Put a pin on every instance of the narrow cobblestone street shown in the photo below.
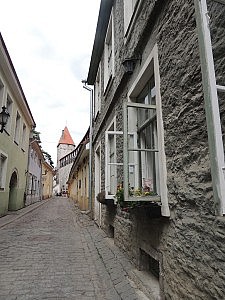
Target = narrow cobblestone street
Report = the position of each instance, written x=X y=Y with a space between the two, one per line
x=56 y=252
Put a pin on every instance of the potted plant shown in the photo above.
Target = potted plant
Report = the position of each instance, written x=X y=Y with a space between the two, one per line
x=101 y=197
x=129 y=206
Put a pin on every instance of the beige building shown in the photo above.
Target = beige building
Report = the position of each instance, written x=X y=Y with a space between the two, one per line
x=14 y=140
x=78 y=177
x=47 y=180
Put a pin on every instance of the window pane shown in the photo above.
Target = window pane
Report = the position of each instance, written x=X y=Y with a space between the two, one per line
x=114 y=160
x=143 y=158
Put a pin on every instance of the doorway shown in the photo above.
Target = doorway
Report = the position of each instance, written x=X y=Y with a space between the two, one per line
x=97 y=212
x=13 y=191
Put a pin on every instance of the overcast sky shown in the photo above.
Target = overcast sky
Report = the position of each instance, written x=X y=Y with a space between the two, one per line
x=50 y=44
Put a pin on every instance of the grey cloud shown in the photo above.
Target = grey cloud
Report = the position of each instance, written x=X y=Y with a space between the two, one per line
x=45 y=50
x=79 y=67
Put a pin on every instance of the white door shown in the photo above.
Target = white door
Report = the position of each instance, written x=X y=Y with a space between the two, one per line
x=97 y=209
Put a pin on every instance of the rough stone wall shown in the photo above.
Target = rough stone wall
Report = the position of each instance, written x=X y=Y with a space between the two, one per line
x=191 y=242
x=63 y=150
x=125 y=234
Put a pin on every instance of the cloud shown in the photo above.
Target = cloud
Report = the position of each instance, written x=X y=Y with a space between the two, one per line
x=50 y=44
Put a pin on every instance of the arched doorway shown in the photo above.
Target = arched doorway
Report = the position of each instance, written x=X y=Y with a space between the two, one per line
x=13 y=191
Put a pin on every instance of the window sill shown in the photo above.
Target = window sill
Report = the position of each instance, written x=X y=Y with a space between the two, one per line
x=109 y=202
x=150 y=210
x=144 y=198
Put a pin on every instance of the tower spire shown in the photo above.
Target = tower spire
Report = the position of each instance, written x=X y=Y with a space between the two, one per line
x=66 y=138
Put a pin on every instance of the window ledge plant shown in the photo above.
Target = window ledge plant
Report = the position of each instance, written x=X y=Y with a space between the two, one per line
x=129 y=205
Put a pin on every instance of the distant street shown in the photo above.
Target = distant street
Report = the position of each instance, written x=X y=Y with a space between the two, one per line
x=55 y=252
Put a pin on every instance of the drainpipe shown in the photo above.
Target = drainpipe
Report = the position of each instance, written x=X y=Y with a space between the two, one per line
x=90 y=143
x=40 y=182
x=27 y=174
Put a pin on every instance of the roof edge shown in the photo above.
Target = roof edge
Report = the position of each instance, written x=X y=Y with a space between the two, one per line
x=98 y=46
x=16 y=77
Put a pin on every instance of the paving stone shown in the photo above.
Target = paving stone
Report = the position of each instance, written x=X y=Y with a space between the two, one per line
x=56 y=252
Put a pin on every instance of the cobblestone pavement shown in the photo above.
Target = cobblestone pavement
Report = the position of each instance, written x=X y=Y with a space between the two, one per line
x=56 y=252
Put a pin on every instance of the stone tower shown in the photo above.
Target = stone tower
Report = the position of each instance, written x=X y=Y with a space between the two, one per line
x=65 y=146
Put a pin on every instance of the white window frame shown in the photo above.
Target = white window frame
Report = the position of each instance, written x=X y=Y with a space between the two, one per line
x=133 y=164
x=210 y=89
x=24 y=131
x=3 y=169
x=129 y=6
x=97 y=93
x=108 y=163
x=109 y=53
x=17 y=128
x=131 y=10
x=98 y=180
x=110 y=128
x=29 y=187
x=150 y=67
x=98 y=169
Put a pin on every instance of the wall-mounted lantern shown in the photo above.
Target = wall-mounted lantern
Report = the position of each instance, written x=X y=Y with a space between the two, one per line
x=4 y=115
x=129 y=64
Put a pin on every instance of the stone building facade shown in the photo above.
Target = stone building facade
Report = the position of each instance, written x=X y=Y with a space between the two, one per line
x=34 y=173
x=64 y=161
x=152 y=137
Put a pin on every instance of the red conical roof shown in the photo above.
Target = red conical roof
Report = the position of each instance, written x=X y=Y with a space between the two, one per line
x=66 y=138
